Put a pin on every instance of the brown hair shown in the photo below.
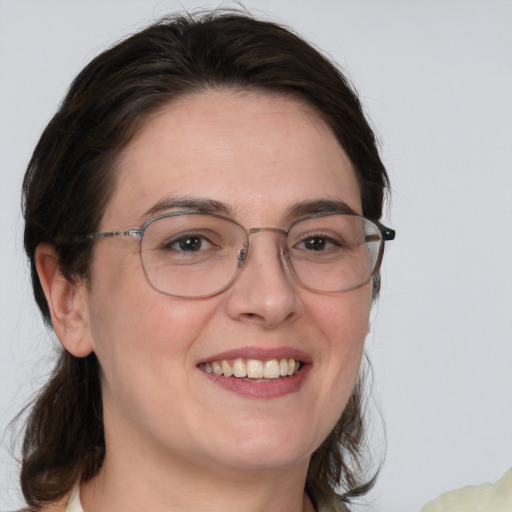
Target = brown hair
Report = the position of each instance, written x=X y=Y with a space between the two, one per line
x=71 y=176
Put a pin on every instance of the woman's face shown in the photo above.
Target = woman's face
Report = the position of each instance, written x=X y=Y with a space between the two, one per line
x=258 y=156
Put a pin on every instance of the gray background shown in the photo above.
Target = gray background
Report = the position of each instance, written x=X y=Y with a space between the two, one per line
x=436 y=78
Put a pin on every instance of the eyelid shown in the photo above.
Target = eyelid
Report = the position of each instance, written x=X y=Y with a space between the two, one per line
x=332 y=239
x=197 y=233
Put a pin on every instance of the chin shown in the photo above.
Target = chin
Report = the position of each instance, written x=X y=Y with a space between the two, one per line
x=273 y=450
x=264 y=462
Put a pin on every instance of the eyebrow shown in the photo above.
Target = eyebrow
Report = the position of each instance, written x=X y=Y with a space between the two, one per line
x=211 y=206
x=313 y=206
x=196 y=204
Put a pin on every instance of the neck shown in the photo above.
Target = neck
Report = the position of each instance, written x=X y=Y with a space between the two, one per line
x=142 y=473
x=184 y=486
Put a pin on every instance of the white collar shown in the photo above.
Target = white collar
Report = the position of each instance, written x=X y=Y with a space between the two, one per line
x=73 y=504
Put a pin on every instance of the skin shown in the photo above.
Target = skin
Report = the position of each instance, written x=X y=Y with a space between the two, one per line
x=168 y=425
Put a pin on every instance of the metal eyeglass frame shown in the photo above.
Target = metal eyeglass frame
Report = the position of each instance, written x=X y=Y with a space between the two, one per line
x=387 y=234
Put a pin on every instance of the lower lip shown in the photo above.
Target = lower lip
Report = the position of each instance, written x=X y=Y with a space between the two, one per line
x=262 y=390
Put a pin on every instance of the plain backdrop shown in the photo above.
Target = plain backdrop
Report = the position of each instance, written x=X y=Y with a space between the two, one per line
x=436 y=79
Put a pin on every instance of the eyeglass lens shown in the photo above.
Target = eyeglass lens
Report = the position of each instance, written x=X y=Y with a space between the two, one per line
x=195 y=255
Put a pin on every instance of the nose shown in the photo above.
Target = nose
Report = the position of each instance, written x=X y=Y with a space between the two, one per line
x=264 y=292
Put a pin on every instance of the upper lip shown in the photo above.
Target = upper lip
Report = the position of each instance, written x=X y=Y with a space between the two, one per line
x=260 y=353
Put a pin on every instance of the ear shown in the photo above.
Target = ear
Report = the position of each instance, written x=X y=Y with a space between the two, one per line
x=67 y=302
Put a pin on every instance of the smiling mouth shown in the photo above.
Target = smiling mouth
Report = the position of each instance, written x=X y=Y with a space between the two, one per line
x=253 y=369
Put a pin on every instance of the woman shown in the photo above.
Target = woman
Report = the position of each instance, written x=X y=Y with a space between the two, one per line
x=202 y=222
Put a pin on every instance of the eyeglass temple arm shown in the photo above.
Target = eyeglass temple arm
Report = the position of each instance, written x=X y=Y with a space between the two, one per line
x=110 y=234
x=387 y=233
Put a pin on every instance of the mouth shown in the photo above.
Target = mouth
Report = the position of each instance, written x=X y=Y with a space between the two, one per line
x=253 y=370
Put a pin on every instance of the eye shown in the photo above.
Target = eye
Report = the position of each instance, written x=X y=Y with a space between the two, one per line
x=188 y=243
x=317 y=243
x=319 y=247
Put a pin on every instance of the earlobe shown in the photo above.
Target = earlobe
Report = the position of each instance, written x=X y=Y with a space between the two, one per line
x=66 y=301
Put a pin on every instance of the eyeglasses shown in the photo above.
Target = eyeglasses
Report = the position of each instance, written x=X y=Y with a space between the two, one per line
x=196 y=255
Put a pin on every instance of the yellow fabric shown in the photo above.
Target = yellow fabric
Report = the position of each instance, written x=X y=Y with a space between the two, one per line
x=482 y=498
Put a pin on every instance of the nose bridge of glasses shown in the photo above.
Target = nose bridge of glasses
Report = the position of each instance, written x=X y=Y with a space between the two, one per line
x=271 y=229
x=279 y=231
x=243 y=253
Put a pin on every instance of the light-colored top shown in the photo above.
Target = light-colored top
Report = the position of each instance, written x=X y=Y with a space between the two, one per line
x=73 y=504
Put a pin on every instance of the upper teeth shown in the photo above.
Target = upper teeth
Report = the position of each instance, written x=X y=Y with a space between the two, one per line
x=253 y=368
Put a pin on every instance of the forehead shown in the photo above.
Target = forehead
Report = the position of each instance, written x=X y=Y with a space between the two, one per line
x=258 y=154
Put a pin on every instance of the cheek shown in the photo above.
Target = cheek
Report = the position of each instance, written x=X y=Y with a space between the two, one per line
x=344 y=319
x=143 y=332
x=135 y=329
x=144 y=345
x=344 y=325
